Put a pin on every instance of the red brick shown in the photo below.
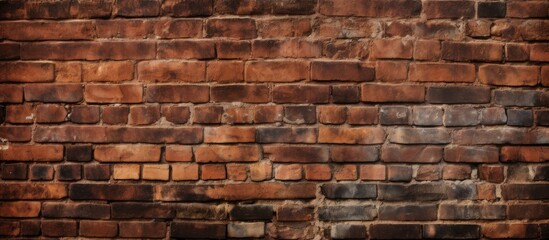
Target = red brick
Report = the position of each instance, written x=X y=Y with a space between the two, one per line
x=442 y=72
x=127 y=153
x=391 y=71
x=137 y=8
x=225 y=71
x=317 y=172
x=238 y=115
x=53 y=92
x=14 y=171
x=545 y=76
x=171 y=71
x=20 y=113
x=411 y=154
x=241 y=153
x=345 y=49
x=341 y=71
x=456 y=172
x=390 y=49
x=24 y=191
x=179 y=28
x=524 y=154
x=9 y=51
x=177 y=93
x=233 y=49
x=176 y=114
x=186 y=49
x=363 y=115
x=373 y=172
x=11 y=93
x=33 y=31
x=276 y=71
x=111 y=192
x=477 y=29
x=509 y=75
x=370 y=8
x=50 y=113
x=464 y=52
x=16 y=133
x=156 y=172
x=527 y=9
x=348 y=28
x=462 y=154
x=10 y=228
x=229 y=134
x=357 y=135
x=207 y=114
x=493 y=174
x=60 y=228
x=517 y=52
x=332 y=114
x=539 y=52
x=354 y=153
x=458 y=94
x=237 y=172
x=98 y=228
x=295 y=154
x=301 y=94
x=115 y=115
x=45 y=153
x=142 y=229
x=428 y=173
x=97 y=172
x=144 y=115
x=26 y=72
x=268 y=113
x=261 y=171
x=185 y=172
x=89 y=50
x=449 y=9
x=213 y=172
x=292 y=48
x=125 y=28
x=177 y=153
x=87 y=9
x=236 y=28
x=284 y=27
x=113 y=93
x=392 y=93
x=257 y=93
x=84 y=114
x=187 y=8
x=107 y=71
x=19 y=209
x=288 y=172
x=345 y=172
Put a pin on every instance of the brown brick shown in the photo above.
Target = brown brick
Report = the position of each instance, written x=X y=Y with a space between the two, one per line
x=229 y=134
x=399 y=173
x=406 y=135
x=428 y=173
x=261 y=171
x=524 y=154
x=41 y=173
x=76 y=210
x=449 y=9
x=236 y=28
x=72 y=172
x=126 y=171
x=276 y=71
x=510 y=230
x=364 y=8
x=156 y=172
x=427 y=50
x=341 y=71
x=207 y=114
x=19 y=209
x=241 y=153
x=391 y=49
x=257 y=93
x=144 y=115
x=142 y=229
x=237 y=172
x=395 y=115
x=283 y=27
x=176 y=114
x=84 y=114
x=187 y=8
x=517 y=52
x=46 y=153
x=109 y=93
x=125 y=28
x=113 y=192
x=357 y=135
x=507 y=75
x=345 y=94
x=127 y=153
x=374 y=172
x=137 y=8
x=411 y=154
x=528 y=211
x=317 y=172
x=53 y=92
x=465 y=52
x=238 y=115
x=107 y=71
x=456 y=172
x=539 y=52
x=493 y=174
x=14 y=171
x=286 y=135
x=288 y=172
x=171 y=71
x=332 y=114
x=185 y=172
x=299 y=114
x=99 y=172
x=268 y=113
x=50 y=113
x=296 y=213
x=461 y=116
x=9 y=51
x=185 y=49
x=11 y=93
x=464 y=154
x=391 y=71
x=442 y=72
x=213 y=172
x=301 y=94
x=392 y=93
x=198 y=230
x=16 y=133
x=177 y=93
x=295 y=154
x=179 y=29
x=453 y=95
x=354 y=153
x=98 y=228
x=233 y=49
x=475 y=29
x=225 y=71
x=177 y=153
x=292 y=48
x=20 y=113
x=348 y=28
x=115 y=115
x=363 y=115
x=60 y=228
x=26 y=72
x=345 y=172
x=92 y=50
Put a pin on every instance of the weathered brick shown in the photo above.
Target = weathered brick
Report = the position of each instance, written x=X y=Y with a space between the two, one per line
x=24 y=191
x=91 y=50
x=241 y=93
x=19 y=209
x=317 y=172
x=76 y=210
x=115 y=115
x=442 y=9
x=261 y=171
x=332 y=114
x=208 y=114
x=465 y=52
x=176 y=153
x=406 y=135
x=187 y=8
x=456 y=172
x=508 y=75
x=283 y=27
x=449 y=231
x=20 y=114
x=395 y=115
x=391 y=71
x=399 y=173
x=107 y=71
x=183 y=49
x=233 y=49
x=341 y=71
x=392 y=93
x=286 y=135
x=142 y=229
x=41 y=173
x=461 y=116
x=493 y=116
x=442 y=72
x=126 y=171
x=357 y=135
x=295 y=154
x=425 y=192
x=408 y=212
x=242 y=153
x=198 y=230
x=156 y=172
x=9 y=51
x=453 y=95
x=375 y=172
x=201 y=211
x=299 y=114
x=171 y=71
x=288 y=172
x=98 y=228
x=428 y=173
x=368 y=8
x=470 y=212
x=179 y=28
x=236 y=28
x=225 y=71
x=411 y=154
x=528 y=211
x=293 y=48
x=59 y=228
x=123 y=93
x=349 y=191
x=112 y=192
x=127 y=153
x=14 y=171
x=522 y=98
x=251 y=212
x=525 y=191
x=464 y=154
x=526 y=9
x=26 y=72
x=291 y=213
x=354 y=153
x=246 y=230
x=510 y=230
x=11 y=93
x=184 y=172
x=276 y=71
x=42 y=153
x=363 y=115
x=347 y=213
x=100 y=172
x=144 y=115
x=391 y=49
x=301 y=94
x=517 y=52
x=16 y=133
x=177 y=93
x=348 y=231
x=70 y=172
x=53 y=93
x=392 y=231
x=427 y=50
x=141 y=210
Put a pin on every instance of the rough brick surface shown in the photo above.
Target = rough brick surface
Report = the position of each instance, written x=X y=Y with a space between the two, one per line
x=274 y=119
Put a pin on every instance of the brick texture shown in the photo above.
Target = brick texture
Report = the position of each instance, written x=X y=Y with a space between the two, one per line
x=274 y=119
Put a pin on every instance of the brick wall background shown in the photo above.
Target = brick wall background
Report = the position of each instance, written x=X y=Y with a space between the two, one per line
x=276 y=119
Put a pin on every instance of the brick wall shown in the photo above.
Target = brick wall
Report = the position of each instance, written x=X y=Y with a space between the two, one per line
x=276 y=119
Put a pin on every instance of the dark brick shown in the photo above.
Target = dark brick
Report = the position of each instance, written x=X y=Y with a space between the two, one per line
x=15 y=171
x=84 y=114
x=101 y=172
x=78 y=153
x=176 y=114
x=71 y=210
x=41 y=172
x=112 y=192
x=519 y=98
x=451 y=231
x=399 y=173
x=286 y=135
x=354 y=153
x=472 y=212
x=347 y=213
x=395 y=115
x=300 y=114
x=349 y=191
x=198 y=230
x=49 y=10
x=348 y=231
x=541 y=173
x=408 y=212
x=528 y=211
x=345 y=94
x=201 y=211
x=461 y=116
x=452 y=95
x=188 y=8
x=207 y=114
x=542 y=118
x=295 y=213
x=69 y=172
x=525 y=191
x=59 y=228
x=115 y=115
x=137 y=8
x=30 y=228
x=491 y=9
x=142 y=229
x=251 y=212
x=425 y=192
x=141 y=210
x=519 y=117
x=395 y=231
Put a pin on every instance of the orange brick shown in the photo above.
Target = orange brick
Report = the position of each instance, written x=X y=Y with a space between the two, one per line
x=318 y=172
x=237 y=172
x=175 y=153
x=345 y=172
x=288 y=172
x=213 y=172
x=126 y=171
x=185 y=172
x=156 y=172
x=373 y=172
